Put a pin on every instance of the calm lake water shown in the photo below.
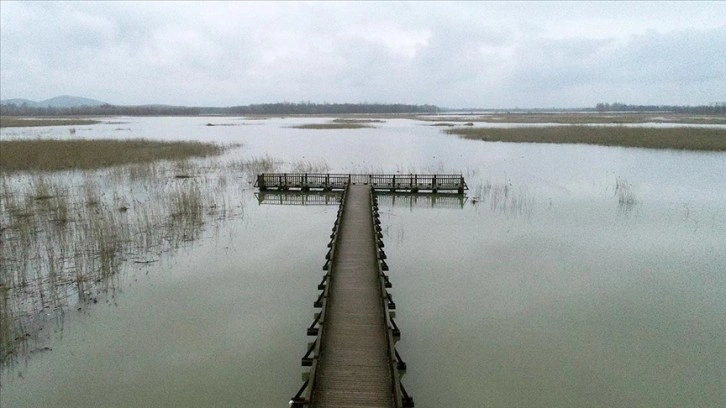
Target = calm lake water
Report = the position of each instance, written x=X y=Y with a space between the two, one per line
x=571 y=276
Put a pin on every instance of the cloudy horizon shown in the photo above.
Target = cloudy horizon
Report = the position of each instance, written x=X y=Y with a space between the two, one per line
x=449 y=54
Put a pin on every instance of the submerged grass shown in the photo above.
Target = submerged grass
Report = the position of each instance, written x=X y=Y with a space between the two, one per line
x=66 y=237
x=679 y=138
x=56 y=154
x=504 y=198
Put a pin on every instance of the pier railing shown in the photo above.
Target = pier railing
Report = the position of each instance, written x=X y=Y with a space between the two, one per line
x=397 y=365
x=434 y=183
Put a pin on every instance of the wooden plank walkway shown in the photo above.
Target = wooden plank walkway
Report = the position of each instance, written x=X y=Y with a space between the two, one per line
x=354 y=367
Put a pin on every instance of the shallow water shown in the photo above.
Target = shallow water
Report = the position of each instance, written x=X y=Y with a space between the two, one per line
x=572 y=276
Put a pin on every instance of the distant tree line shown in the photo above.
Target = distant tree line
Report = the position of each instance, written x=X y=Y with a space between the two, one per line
x=283 y=108
x=326 y=108
x=718 y=108
x=100 y=110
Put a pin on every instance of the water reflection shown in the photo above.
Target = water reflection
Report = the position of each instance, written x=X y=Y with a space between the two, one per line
x=297 y=198
x=411 y=201
x=408 y=200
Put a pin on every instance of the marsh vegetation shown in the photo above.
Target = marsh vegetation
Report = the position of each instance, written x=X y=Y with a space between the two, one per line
x=66 y=235
x=583 y=118
x=14 y=121
x=357 y=120
x=504 y=198
x=333 y=125
x=84 y=154
x=680 y=138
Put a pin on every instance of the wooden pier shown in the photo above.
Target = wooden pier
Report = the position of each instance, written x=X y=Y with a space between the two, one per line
x=414 y=183
x=353 y=361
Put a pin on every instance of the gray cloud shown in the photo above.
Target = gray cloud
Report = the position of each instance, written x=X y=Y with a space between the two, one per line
x=449 y=54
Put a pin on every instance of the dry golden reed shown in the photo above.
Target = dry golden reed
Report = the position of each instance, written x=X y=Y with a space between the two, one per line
x=56 y=154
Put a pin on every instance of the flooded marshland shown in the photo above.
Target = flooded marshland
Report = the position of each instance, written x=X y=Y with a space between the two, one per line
x=570 y=276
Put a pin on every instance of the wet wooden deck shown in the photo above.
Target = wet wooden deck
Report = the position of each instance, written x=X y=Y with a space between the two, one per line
x=354 y=367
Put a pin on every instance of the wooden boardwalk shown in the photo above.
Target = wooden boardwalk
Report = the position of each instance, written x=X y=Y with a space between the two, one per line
x=354 y=367
x=353 y=359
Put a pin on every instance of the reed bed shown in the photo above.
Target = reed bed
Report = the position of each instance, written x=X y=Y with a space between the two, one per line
x=679 y=138
x=333 y=125
x=357 y=120
x=56 y=154
x=13 y=121
x=572 y=118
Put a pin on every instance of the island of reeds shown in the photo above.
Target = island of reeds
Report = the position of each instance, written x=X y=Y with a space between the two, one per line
x=678 y=138
x=332 y=126
x=84 y=154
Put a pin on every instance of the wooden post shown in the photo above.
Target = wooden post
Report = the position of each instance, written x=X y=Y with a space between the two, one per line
x=261 y=182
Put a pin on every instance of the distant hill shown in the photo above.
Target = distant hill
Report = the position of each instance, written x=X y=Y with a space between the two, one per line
x=63 y=101
x=19 y=102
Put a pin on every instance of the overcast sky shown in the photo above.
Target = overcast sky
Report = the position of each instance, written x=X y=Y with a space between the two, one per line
x=468 y=54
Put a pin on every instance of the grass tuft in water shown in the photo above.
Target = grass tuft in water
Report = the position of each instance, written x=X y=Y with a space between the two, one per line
x=627 y=200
